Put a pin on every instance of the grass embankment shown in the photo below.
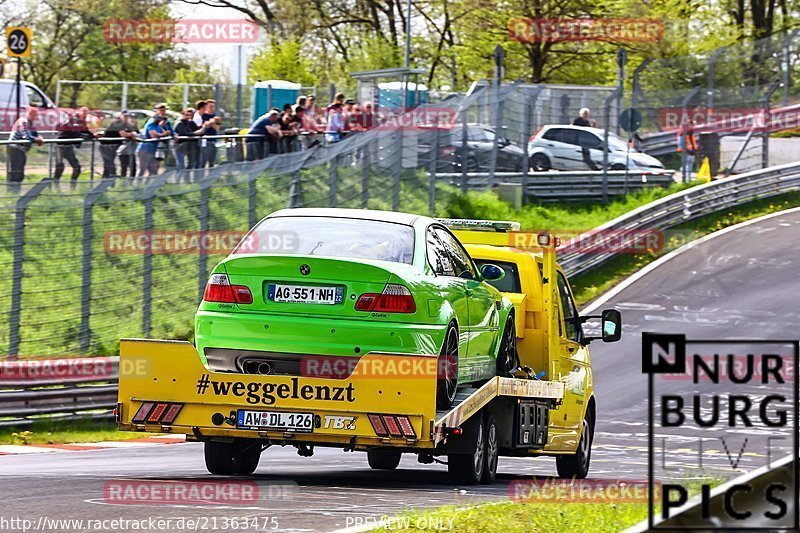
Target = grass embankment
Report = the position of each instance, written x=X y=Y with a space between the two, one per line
x=67 y=432
x=608 y=515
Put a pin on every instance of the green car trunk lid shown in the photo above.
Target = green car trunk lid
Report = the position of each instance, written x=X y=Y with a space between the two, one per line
x=351 y=278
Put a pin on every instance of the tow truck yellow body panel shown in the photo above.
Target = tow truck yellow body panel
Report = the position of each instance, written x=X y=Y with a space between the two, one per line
x=542 y=340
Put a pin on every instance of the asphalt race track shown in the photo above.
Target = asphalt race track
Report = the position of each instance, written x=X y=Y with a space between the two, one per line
x=742 y=284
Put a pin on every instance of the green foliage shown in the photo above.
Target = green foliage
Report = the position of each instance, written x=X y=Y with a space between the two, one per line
x=283 y=60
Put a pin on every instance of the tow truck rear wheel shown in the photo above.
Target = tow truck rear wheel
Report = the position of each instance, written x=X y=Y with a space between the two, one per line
x=576 y=466
x=383 y=459
x=230 y=458
x=491 y=451
x=468 y=468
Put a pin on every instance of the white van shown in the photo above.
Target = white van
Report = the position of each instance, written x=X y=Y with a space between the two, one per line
x=49 y=115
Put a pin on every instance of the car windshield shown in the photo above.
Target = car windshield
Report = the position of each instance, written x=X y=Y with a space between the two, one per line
x=331 y=237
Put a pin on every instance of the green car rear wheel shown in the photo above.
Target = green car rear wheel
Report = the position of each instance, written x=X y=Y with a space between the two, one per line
x=447 y=370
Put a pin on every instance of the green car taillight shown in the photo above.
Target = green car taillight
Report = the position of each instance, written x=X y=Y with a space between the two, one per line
x=219 y=289
x=394 y=299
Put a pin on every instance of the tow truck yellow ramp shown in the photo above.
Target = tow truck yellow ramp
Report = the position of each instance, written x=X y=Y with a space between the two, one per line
x=470 y=401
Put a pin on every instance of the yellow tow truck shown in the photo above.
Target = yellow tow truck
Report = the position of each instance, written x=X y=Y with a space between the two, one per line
x=545 y=406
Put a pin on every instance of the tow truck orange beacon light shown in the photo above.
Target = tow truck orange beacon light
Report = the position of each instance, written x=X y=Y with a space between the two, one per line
x=543 y=239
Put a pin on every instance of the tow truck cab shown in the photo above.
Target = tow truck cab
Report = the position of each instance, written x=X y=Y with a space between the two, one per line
x=551 y=346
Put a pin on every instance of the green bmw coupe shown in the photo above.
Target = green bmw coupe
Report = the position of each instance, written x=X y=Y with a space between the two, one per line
x=341 y=283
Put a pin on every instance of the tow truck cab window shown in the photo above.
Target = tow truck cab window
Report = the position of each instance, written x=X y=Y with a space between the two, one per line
x=568 y=310
x=510 y=282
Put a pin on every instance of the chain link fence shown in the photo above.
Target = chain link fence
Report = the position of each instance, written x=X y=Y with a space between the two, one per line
x=92 y=261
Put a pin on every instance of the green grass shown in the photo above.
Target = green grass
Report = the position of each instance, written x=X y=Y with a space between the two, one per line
x=554 y=217
x=535 y=516
x=597 y=281
x=514 y=517
x=67 y=432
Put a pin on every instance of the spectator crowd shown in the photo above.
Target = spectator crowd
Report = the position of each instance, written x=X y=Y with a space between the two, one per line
x=127 y=150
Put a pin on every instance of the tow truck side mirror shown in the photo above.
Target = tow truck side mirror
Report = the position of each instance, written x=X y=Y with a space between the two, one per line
x=611 y=326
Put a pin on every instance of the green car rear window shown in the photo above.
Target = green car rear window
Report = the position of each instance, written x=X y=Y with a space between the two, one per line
x=331 y=237
x=510 y=282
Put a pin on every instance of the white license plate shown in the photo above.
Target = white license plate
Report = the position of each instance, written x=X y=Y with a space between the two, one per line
x=304 y=294
x=299 y=422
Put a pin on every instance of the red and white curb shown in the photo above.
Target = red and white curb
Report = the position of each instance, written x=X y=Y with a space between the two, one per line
x=16 y=449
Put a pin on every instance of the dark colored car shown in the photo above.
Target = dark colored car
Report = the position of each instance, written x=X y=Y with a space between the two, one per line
x=479 y=146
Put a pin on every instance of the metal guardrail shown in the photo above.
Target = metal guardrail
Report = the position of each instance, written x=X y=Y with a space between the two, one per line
x=565 y=185
x=688 y=205
x=57 y=389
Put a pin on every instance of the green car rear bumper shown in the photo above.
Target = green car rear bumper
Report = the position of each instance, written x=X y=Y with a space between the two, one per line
x=313 y=335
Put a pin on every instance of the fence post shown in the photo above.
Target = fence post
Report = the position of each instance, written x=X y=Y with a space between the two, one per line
x=607 y=117
x=91 y=163
x=295 y=191
x=396 y=174
x=332 y=181
x=147 y=259
x=636 y=87
x=84 y=334
x=251 y=202
x=622 y=61
x=710 y=82
x=202 y=257
x=464 y=150
x=765 y=137
x=786 y=64
x=498 y=117
x=432 y=177
x=124 y=96
x=218 y=94
x=365 y=163
x=18 y=262
x=527 y=114
x=49 y=160
x=185 y=95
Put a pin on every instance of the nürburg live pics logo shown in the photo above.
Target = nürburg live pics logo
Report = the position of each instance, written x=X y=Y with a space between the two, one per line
x=722 y=410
